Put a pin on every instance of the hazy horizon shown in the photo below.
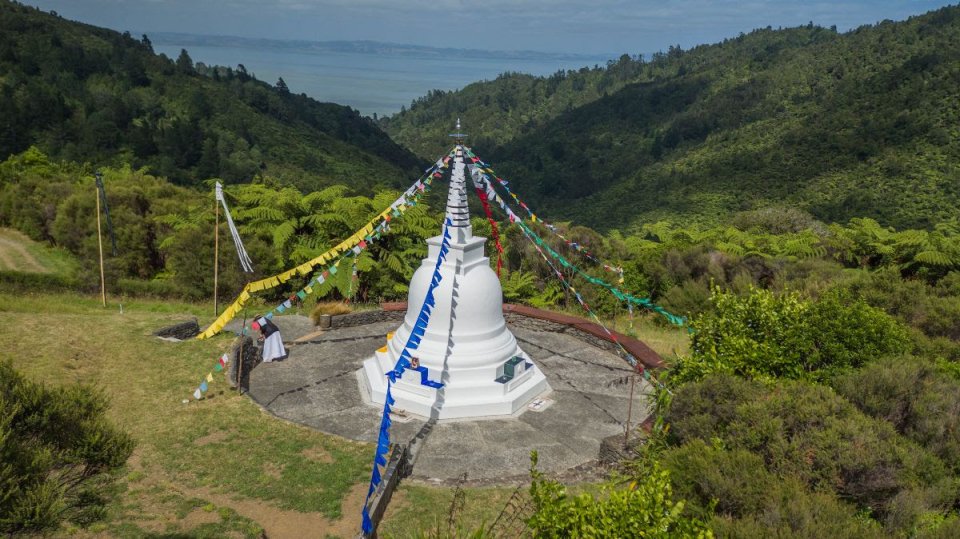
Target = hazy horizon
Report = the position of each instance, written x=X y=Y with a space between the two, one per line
x=597 y=27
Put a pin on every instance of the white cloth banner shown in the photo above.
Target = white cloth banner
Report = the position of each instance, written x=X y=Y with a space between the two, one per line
x=245 y=261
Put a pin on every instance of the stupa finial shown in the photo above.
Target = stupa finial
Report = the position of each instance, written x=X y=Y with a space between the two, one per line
x=458 y=136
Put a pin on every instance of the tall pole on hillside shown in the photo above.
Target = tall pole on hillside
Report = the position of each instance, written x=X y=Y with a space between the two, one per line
x=216 y=256
x=626 y=432
x=103 y=289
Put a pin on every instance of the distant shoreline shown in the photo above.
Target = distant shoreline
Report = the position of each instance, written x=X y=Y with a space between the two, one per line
x=366 y=47
x=371 y=77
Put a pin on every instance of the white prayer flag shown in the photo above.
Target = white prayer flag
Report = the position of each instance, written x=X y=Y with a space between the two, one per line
x=245 y=261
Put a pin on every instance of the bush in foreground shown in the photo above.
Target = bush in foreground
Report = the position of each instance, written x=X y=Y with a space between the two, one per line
x=645 y=508
x=57 y=453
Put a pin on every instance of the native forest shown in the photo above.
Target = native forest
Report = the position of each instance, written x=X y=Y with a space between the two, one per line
x=792 y=193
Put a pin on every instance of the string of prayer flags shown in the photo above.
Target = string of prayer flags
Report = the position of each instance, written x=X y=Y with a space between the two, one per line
x=485 y=169
x=482 y=195
x=222 y=361
x=102 y=193
x=539 y=243
x=403 y=362
x=613 y=338
x=646 y=303
x=376 y=225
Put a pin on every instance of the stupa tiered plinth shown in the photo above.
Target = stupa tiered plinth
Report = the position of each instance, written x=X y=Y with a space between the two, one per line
x=467 y=345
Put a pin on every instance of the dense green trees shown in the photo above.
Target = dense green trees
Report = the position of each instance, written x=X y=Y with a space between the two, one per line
x=165 y=232
x=88 y=94
x=854 y=125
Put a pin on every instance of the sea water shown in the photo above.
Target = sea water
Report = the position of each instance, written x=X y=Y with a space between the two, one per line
x=378 y=83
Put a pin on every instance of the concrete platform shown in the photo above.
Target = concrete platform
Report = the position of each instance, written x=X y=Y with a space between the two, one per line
x=318 y=386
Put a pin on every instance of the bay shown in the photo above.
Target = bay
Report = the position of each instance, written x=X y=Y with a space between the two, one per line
x=370 y=82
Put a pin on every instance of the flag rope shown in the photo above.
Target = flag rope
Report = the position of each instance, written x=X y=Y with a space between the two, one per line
x=488 y=172
x=375 y=226
x=646 y=303
x=621 y=350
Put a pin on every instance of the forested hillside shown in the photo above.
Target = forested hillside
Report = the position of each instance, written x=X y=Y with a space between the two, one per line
x=87 y=94
x=841 y=125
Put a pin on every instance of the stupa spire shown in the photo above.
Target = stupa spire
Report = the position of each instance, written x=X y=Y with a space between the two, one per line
x=457 y=210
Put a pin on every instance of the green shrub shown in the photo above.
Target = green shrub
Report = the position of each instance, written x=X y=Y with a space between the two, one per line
x=919 y=400
x=20 y=281
x=924 y=511
x=739 y=497
x=57 y=453
x=933 y=309
x=805 y=431
x=645 y=508
x=765 y=335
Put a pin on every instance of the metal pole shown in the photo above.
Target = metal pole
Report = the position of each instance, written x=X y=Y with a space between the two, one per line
x=216 y=258
x=626 y=433
x=103 y=291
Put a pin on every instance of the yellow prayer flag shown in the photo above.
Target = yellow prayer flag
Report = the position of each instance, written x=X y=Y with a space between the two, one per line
x=209 y=377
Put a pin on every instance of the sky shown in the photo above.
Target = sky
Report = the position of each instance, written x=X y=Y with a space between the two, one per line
x=579 y=26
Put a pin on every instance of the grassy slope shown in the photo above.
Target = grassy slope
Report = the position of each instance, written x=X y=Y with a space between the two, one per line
x=20 y=253
x=219 y=466
x=218 y=454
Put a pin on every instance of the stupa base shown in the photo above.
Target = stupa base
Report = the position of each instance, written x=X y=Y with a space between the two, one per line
x=455 y=401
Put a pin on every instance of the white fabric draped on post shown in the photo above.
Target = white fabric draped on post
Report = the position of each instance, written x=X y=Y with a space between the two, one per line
x=245 y=261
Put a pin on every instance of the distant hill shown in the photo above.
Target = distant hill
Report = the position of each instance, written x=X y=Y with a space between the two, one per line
x=89 y=94
x=857 y=124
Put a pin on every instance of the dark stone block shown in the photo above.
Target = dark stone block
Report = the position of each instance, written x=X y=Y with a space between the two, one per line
x=181 y=331
x=246 y=356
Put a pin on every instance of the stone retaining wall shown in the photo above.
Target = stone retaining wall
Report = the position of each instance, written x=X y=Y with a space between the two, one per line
x=365 y=317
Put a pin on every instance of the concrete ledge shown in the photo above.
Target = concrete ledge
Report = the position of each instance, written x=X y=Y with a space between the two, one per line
x=586 y=329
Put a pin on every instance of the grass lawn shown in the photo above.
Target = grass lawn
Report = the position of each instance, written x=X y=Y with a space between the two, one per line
x=211 y=468
x=221 y=467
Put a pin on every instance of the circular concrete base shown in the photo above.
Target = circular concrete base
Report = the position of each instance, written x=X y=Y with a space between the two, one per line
x=318 y=386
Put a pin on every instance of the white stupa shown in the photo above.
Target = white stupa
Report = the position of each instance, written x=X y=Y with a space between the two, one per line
x=467 y=345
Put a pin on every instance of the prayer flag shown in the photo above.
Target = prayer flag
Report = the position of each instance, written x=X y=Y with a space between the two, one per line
x=196 y=394
x=209 y=377
x=245 y=261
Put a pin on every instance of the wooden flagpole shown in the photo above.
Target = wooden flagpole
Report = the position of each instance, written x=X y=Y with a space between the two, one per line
x=243 y=339
x=103 y=291
x=216 y=257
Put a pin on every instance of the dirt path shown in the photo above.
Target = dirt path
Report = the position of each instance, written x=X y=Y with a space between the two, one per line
x=12 y=252
x=285 y=524
x=276 y=523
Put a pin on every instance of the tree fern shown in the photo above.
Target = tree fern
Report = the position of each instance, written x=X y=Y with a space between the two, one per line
x=934 y=258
